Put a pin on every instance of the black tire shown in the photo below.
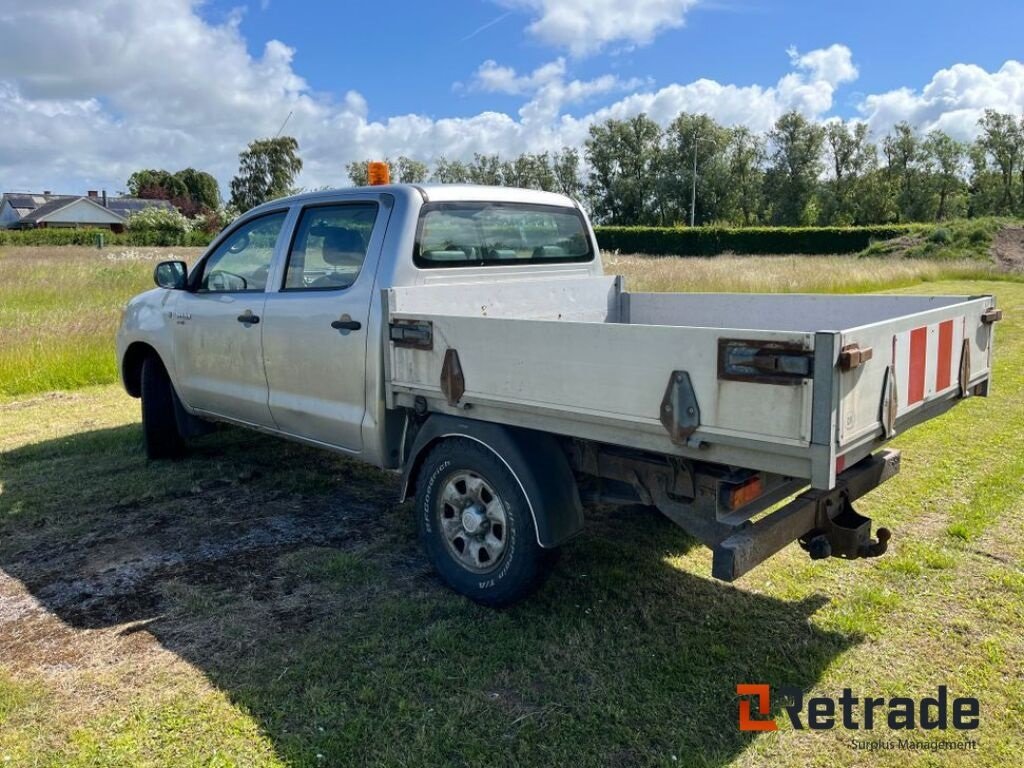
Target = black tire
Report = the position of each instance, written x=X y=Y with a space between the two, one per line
x=523 y=563
x=159 y=426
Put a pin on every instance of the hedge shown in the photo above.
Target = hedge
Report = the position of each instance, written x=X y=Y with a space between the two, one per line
x=709 y=241
x=89 y=236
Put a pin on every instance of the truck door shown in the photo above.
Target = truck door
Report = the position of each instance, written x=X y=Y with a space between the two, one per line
x=315 y=327
x=218 y=355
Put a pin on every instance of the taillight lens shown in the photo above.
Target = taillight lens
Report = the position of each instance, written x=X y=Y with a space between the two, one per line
x=744 y=493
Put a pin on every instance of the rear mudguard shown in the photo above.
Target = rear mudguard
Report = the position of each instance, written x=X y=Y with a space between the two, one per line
x=535 y=459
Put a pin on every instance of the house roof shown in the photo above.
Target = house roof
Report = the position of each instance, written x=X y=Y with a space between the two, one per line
x=48 y=207
x=25 y=202
x=125 y=206
x=32 y=208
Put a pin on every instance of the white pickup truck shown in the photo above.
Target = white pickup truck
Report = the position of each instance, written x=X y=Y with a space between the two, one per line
x=467 y=336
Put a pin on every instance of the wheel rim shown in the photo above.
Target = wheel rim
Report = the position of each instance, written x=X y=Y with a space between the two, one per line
x=473 y=522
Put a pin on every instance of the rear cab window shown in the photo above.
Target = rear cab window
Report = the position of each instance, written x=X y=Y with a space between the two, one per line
x=470 y=234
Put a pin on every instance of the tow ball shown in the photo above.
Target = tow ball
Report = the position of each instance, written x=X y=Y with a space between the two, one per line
x=846 y=534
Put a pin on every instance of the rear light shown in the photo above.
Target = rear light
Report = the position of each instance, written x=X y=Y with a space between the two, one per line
x=765 y=362
x=739 y=495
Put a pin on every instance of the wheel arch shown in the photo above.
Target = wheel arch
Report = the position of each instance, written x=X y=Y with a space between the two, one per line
x=535 y=459
x=131 y=366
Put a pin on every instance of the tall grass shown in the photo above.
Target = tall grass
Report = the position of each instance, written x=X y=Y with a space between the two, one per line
x=59 y=310
x=791 y=274
x=60 y=306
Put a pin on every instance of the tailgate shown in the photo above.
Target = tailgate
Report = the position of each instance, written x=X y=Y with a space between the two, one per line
x=919 y=365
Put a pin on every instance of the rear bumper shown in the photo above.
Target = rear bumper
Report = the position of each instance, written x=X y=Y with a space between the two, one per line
x=813 y=509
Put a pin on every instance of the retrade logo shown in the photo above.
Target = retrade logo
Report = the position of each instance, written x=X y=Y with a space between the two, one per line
x=822 y=713
x=762 y=696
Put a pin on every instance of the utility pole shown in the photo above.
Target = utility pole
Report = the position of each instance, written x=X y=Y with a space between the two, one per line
x=693 y=191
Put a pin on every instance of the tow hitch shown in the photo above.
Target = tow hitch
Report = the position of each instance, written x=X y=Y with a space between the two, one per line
x=824 y=522
x=846 y=535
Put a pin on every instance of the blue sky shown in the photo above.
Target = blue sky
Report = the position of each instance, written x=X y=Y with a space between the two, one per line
x=91 y=90
x=419 y=51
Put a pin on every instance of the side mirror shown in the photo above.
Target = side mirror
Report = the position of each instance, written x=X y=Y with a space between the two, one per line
x=171 y=274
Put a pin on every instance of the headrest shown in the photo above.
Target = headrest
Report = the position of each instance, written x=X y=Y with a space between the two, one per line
x=342 y=246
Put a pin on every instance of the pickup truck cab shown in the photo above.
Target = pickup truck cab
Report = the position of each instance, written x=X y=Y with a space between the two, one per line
x=467 y=337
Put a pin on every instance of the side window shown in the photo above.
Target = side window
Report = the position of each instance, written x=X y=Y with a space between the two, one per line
x=329 y=246
x=241 y=263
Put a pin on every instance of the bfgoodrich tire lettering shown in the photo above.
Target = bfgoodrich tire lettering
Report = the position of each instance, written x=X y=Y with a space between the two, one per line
x=159 y=426
x=467 y=493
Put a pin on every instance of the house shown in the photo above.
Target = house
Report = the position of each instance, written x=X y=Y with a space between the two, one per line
x=27 y=210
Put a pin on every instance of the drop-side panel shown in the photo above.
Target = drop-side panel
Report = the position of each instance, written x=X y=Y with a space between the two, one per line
x=580 y=357
x=598 y=379
x=915 y=367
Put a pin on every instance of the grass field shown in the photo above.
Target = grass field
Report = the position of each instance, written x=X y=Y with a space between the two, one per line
x=59 y=307
x=261 y=603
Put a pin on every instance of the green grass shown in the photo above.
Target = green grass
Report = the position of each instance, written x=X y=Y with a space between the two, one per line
x=793 y=274
x=59 y=309
x=954 y=240
x=60 y=306
x=285 y=616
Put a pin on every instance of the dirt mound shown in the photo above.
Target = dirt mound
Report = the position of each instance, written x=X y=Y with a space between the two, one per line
x=1008 y=248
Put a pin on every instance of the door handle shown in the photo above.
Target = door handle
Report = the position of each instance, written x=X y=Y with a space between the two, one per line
x=346 y=324
x=248 y=318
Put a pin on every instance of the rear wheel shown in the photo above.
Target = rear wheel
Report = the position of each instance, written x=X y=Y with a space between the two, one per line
x=476 y=526
x=159 y=425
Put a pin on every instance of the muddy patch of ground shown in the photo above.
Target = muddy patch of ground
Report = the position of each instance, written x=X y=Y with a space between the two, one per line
x=216 y=535
x=1008 y=248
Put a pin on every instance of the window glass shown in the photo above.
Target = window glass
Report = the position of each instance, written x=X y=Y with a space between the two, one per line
x=329 y=246
x=241 y=263
x=471 y=234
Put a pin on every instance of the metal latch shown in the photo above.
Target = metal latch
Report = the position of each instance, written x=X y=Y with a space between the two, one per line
x=853 y=356
x=991 y=315
x=415 y=334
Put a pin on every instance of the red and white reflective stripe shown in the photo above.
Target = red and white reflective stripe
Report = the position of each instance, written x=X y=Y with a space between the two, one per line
x=927 y=359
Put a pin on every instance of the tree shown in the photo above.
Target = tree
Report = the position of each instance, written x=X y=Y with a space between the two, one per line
x=486 y=169
x=873 y=197
x=409 y=171
x=266 y=170
x=687 y=138
x=154 y=184
x=945 y=158
x=792 y=178
x=530 y=172
x=904 y=157
x=624 y=156
x=984 y=185
x=450 y=171
x=404 y=170
x=358 y=172
x=202 y=189
x=1002 y=139
x=565 y=166
x=745 y=156
x=190 y=191
x=850 y=155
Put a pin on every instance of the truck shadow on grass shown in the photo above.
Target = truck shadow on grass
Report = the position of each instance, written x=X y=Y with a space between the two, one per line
x=293 y=580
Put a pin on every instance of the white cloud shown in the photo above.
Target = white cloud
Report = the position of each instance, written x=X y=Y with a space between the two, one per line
x=158 y=86
x=584 y=27
x=490 y=76
x=547 y=88
x=833 y=65
x=952 y=101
